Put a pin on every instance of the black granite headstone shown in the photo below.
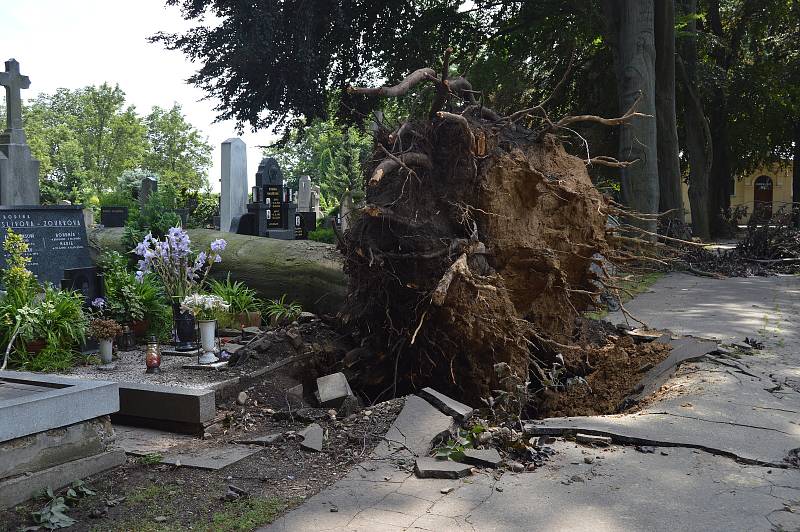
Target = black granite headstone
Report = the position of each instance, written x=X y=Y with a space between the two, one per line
x=305 y=222
x=113 y=216
x=90 y=283
x=56 y=235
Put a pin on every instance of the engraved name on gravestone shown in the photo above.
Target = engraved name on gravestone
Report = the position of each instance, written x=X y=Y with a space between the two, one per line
x=56 y=235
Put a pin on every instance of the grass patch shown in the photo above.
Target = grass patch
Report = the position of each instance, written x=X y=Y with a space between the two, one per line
x=632 y=285
x=244 y=515
x=150 y=459
x=156 y=493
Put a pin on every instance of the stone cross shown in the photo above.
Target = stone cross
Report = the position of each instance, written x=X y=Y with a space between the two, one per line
x=13 y=81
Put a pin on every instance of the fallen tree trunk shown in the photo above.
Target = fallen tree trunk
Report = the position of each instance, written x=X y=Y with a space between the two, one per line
x=306 y=271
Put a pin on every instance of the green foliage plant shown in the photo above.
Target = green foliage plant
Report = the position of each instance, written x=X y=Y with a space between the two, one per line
x=280 y=312
x=322 y=234
x=156 y=217
x=123 y=298
x=238 y=295
x=453 y=448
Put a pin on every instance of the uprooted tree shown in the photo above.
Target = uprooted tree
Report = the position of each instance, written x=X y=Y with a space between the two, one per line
x=475 y=245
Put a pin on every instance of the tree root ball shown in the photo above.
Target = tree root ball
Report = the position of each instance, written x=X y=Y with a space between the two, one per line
x=473 y=249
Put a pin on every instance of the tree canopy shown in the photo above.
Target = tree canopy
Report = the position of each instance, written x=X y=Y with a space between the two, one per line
x=276 y=63
x=87 y=138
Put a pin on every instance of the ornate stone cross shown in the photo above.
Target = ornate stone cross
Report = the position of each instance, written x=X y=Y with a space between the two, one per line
x=13 y=81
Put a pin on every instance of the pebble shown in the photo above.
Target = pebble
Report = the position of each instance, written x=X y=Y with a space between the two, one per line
x=588 y=460
x=241 y=399
x=576 y=478
x=499 y=488
x=334 y=509
x=447 y=490
x=160 y=519
x=516 y=467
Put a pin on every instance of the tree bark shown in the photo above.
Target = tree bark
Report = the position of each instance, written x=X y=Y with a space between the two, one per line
x=669 y=170
x=698 y=136
x=631 y=24
x=796 y=169
x=307 y=272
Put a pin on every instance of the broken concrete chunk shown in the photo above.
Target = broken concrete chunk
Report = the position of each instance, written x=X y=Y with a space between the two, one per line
x=295 y=338
x=433 y=468
x=482 y=457
x=449 y=406
x=333 y=389
x=251 y=330
x=241 y=399
x=590 y=439
x=312 y=437
x=306 y=317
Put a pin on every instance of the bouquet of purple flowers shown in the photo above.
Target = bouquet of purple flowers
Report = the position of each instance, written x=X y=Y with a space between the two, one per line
x=181 y=270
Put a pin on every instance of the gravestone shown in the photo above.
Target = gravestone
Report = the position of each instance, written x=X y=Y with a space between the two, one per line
x=113 y=216
x=149 y=185
x=315 y=208
x=272 y=212
x=56 y=235
x=19 y=172
x=305 y=222
x=346 y=211
x=233 y=194
x=89 y=282
x=304 y=194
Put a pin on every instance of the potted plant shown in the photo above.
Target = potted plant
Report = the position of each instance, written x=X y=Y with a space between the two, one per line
x=180 y=271
x=104 y=331
x=205 y=309
x=244 y=305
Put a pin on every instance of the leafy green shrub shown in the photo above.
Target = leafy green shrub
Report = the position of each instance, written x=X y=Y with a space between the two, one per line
x=280 y=312
x=322 y=234
x=156 y=217
x=123 y=302
x=202 y=214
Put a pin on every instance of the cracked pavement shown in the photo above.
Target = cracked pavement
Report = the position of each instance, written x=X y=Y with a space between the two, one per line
x=721 y=430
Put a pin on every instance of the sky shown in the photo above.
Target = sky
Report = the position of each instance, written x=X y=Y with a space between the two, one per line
x=75 y=43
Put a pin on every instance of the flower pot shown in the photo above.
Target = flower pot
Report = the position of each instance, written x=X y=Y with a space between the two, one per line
x=249 y=319
x=184 y=329
x=35 y=346
x=106 y=350
x=140 y=328
x=208 y=347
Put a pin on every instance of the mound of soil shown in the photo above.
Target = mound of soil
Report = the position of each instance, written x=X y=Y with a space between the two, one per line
x=610 y=373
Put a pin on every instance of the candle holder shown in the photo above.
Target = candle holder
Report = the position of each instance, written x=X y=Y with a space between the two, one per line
x=152 y=356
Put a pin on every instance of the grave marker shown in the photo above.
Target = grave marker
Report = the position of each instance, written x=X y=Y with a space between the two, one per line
x=56 y=235
x=233 y=194
x=19 y=172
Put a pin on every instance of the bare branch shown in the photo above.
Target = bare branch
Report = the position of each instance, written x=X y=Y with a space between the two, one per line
x=629 y=114
x=410 y=81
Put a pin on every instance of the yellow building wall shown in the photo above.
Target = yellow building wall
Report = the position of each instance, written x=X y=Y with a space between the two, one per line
x=743 y=194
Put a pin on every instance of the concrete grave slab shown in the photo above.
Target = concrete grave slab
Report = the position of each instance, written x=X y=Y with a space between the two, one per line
x=482 y=457
x=138 y=441
x=54 y=401
x=434 y=468
x=18 y=489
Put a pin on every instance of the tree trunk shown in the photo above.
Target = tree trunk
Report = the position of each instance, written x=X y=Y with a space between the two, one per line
x=796 y=170
x=669 y=171
x=306 y=271
x=720 y=178
x=698 y=136
x=631 y=26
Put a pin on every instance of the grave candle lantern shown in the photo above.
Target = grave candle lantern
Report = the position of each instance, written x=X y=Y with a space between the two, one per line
x=152 y=356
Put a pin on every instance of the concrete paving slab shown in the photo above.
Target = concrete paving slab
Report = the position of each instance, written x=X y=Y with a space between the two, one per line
x=415 y=427
x=138 y=441
x=446 y=404
x=211 y=458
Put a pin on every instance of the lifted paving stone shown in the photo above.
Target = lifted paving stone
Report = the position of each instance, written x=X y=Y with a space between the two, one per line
x=210 y=458
x=447 y=405
x=482 y=457
x=434 y=468
x=313 y=436
x=417 y=425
